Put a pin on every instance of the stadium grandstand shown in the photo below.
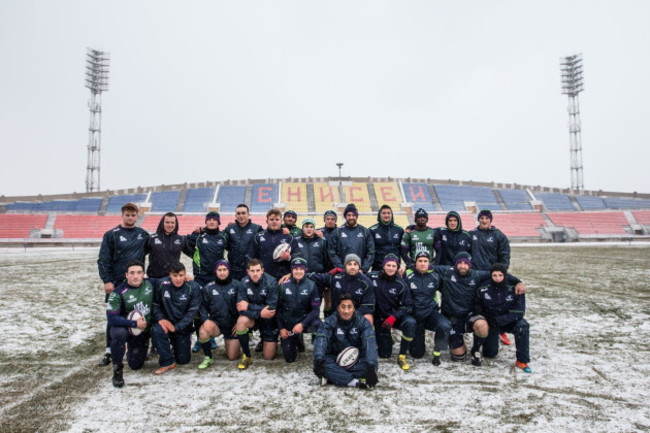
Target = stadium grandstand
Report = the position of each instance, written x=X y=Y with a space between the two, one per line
x=523 y=213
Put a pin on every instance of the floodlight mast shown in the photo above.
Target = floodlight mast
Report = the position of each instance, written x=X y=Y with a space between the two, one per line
x=572 y=85
x=97 y=68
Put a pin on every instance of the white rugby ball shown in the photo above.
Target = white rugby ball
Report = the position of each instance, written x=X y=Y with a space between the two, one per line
x=348 y=357
x=135 y=315
x=277 y=252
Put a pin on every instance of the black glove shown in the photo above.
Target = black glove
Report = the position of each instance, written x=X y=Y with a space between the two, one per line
x=319 y=368
x=371 y=376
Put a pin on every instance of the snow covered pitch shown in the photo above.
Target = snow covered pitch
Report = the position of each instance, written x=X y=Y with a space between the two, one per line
x=588 y=307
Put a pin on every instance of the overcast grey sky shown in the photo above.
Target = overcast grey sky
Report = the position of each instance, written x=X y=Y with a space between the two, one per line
x=213 y=90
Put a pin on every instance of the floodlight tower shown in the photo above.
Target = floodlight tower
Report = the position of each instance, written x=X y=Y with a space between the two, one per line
x=572 y=85
x=97 y=67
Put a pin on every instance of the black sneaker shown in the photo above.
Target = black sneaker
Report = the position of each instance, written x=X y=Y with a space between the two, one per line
x=436 y=359
x=361 y=384
x=118 y=380
x=476 y=358
x=106 y=360
x=260 y=346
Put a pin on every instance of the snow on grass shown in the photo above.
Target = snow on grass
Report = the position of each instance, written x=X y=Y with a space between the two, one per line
x=588 y=307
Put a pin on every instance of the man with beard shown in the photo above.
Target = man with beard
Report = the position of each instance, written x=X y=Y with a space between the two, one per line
x=451 y=240
x=351 y=238
x=387 y=236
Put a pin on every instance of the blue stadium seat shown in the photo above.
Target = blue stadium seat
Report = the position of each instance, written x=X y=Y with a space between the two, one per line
x=418 y=194
x=453 y=197
x=556 y=201
x=197 y=199
x=164 y=201
x=264 y=197
x=230 y=197
x=115 y=203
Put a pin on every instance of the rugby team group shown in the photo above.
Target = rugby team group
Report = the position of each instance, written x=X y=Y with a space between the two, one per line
x=344 y=285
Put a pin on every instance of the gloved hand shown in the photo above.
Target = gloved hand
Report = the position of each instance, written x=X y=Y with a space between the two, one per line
x=336 y=271
x=388 y=323
x=319 y=368
x=371 y=376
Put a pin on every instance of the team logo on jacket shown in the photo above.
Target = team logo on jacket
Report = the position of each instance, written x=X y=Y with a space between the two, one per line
x=231 y=291
x=377 y=236
x=392 y=291
x=157 y=241
x=123 y=239
x=249 y=292
x=414 y=286
x=287 y=291
x=316 y=244
x=249 y=231
x=444 y=238
x=353 y=331
x=461 y=242
x=131 y=299
x=142 y=307
x=472 y=283
x=232 y=231
x=339 y=331
x=360 y=235
x=509 y=298
x=214 y=292
x=453 y=278
x=337 y=285
x=429 y=236
x=262 y=239
x=183 y=297
x=374 y=283
x=487 y=296
x=166 y=294
x=205 y=241
x=359 y=292
x=304 y=292
x=343 y=235
x=147 y=290
x=177 y=242
x=299 y=245
x=395 y=236
x=140 y=236
x=490 y=239
x=263 y=292
x=474 y=238
x=430 y=285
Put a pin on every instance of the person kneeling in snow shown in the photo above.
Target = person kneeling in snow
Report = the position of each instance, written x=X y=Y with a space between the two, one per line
x=504 y=311
x=346 y=327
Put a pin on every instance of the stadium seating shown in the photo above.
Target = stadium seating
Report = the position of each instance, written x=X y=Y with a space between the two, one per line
x=516 y=225
x=418 y=194
x=555 y=201
x=591 y=223
x=587 y=202
x=264 y=197
x=295 y=196
x=388 y=193
x=325 y=196
x=16 y=226
x=86 y=226
x=164 y=201
x=88 y=205
x=516 y=199
x=453 y=197
x=116 y=202
x=197 y=199
x=230 y=196
x=626 y=203
x=642 y=217
x=357 y=193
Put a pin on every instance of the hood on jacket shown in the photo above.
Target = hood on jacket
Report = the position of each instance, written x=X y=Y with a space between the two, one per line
x=454 y=214
x=392 y=216
x=161 y=225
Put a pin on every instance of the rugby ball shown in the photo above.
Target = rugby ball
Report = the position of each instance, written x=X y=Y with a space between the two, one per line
x=135 y=315
x=348 y=357
x=277 y=252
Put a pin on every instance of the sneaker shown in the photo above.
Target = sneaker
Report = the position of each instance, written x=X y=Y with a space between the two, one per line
x=106 y=360
x=523 y=366
x=476 y=358
x=260 y=346
x=401 y=361
x=162 y=370
x=323 y=381
x=245 y=362
x=361 y=384
x=436 y=359
x=504 y=339
x=196 y=347
x=213 y=344
x=118 y=379
x=207 y=361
